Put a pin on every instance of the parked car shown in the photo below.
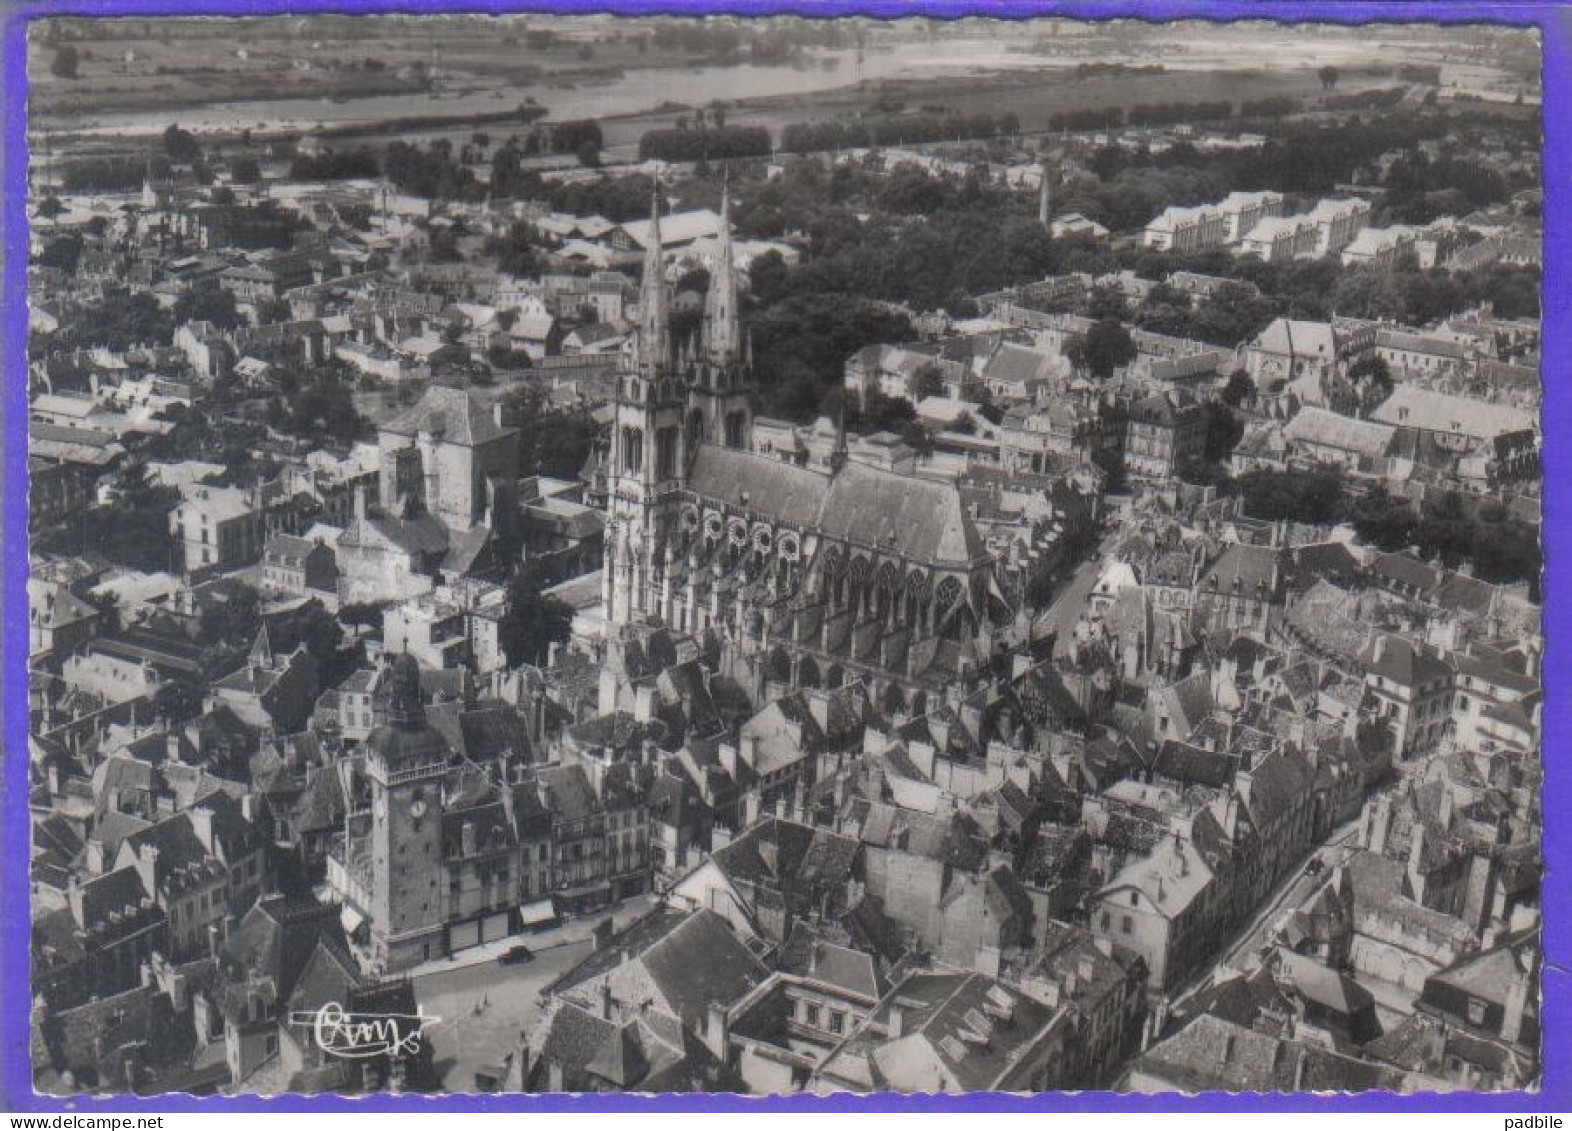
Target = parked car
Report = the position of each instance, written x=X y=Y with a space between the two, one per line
x=515 y=955
x=1315 y=867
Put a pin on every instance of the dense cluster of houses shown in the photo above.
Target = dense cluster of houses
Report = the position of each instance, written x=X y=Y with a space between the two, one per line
x=999 y=756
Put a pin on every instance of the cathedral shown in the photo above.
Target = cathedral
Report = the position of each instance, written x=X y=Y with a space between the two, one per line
x=804 y=577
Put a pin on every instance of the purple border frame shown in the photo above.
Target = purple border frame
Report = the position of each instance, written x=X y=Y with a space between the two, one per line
x=1555 y=25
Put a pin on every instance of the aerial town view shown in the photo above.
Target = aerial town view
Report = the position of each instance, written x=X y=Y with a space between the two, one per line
x=768 y=555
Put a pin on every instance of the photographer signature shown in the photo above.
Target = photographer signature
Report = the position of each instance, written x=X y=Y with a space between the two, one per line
x=359 y=1036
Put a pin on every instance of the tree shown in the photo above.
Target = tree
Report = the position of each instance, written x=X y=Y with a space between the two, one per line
x=1239 y=389
x=1328 y=76
x=1106 y=347
x=62 y=253
x=64 y=64
x=1223 y=431
x=533 y=621
x=552 y=442
x=874 y=413
x=1299 y=496
x=178 y=700
x=181 y=147
x=588 y=154
x=1107 y=303
x=208 y=302
x=928 y=381
x=271 y=310
x=245 y=170
x=518 y=250
x=1372 y=380
x=1040 y=589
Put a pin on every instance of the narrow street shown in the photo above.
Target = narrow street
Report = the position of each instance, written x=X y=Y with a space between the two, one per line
x=484 y=1005
x=1242 y=954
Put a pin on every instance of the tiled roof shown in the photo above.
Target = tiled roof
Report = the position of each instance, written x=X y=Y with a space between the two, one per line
x=455 y=416
x=919 y=518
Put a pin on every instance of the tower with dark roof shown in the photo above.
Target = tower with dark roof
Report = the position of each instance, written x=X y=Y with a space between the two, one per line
x=649 y=452
x=720 y=374
x=406 y=760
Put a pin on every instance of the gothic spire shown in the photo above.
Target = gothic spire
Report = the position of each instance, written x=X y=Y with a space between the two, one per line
x=722 y=327
x=655 y=318
x=1045 y=195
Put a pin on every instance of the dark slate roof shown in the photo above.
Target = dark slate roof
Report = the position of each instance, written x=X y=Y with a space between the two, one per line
x=918 y=518
x=454 y=415
x=116 y=893
x=1181 y=762
x=1402 y=660
x=569 y=794
x=277 y=937
x=809 y=862
x=1211 y=1054
x=692 y=959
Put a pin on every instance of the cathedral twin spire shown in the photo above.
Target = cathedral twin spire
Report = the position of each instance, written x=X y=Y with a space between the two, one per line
x=722 y=328
x=654 y=310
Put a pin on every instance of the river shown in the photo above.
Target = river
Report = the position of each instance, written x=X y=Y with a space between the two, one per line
x=643 y=90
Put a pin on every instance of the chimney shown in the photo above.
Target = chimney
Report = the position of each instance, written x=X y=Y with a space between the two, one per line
x=147 y=865
x=894 y=1020
x=987 y=961
x=1516 y=1004
x=644 y=703
x=605 y=1001
x=769 y=850
x=715 y=1031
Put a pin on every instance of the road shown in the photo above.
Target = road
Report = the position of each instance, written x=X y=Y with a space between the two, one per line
x=484 y=1006
x=1070 y=598
x=1243 y=953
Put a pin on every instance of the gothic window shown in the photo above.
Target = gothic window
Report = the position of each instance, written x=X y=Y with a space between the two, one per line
x=857 y=580
x=695 y=429
x=889 y=584
x=734 y=429
x=632 y=449
x=666 y=453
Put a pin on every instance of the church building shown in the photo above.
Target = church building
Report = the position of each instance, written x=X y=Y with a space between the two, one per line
x=808 y=577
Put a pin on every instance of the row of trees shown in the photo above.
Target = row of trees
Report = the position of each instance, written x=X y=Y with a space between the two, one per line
x=712 y=143
x=335 y=165
x=1172 y=113
x=1502 y=549
x=1272 y=106
x=430 y=171
x=904 y=129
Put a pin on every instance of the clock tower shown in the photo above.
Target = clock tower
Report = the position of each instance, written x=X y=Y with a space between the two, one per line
x=406 y=762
